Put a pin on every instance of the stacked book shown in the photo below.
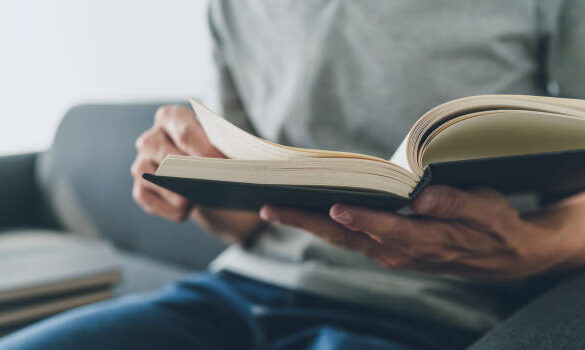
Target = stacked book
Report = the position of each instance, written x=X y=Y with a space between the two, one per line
x=43 y=273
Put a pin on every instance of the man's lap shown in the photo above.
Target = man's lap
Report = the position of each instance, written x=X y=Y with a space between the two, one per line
x=208 y=311
x=169 y=318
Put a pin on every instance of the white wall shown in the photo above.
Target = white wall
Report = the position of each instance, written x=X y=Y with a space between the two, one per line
x=57 y=53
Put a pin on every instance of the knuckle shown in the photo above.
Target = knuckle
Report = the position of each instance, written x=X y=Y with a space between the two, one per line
x=177 y=216
x=148 y=140
x=162 y=113
x=171 y=217
x=185 y=134
x=516 y=250
x=139 y=144
x=181 y=202
x=139 y=166
x=182 y=110
x=177 y=202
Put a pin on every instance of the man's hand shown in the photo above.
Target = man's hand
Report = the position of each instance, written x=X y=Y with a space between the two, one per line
x=176 y=130
x=474 y=234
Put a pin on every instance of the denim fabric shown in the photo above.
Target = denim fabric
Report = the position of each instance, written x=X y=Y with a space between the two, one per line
x=227 y=311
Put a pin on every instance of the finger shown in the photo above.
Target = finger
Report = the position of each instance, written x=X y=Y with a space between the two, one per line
x=175 y=200
x=449 y=203
x=386 y=227
x=421 y=238
x=154 y=204
x=183 y=128
x=322 y=227
x=155 y=144
x=143 y=165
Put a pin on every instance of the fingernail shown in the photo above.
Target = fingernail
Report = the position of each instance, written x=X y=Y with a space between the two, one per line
x=428 y=203
x=267 y=215
x=341 y=215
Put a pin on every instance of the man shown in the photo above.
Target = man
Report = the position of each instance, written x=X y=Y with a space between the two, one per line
x=352 y=75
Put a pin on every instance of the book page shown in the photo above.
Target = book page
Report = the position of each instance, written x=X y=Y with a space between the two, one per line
x=505 y=133
x=349 y=173
x=481 y=104
x=236 y=143
x=400 y=157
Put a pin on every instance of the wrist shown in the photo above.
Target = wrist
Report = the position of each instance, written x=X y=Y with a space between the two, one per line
x=565 y=223
x=231 y=226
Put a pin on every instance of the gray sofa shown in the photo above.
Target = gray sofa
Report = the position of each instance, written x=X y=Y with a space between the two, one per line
x=82 y=184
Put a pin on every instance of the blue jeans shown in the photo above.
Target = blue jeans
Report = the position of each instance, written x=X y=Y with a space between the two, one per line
x=227 y=311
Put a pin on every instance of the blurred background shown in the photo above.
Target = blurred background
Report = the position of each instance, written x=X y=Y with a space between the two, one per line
x=55 y=54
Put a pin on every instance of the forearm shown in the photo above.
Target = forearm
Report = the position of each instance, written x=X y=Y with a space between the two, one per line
x=567 y=217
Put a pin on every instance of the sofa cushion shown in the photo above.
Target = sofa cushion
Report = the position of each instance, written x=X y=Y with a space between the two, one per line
x=85 y=177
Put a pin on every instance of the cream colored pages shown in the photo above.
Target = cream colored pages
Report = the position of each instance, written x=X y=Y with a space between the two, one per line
x=505 y=133
x=479 y=104
x=350 y=173
x=236 y=143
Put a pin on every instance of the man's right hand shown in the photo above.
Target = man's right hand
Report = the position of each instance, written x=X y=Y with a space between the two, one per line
x=176 y=130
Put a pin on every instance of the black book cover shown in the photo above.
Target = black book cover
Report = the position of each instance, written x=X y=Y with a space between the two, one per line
x=555 y=173
x=236 y=195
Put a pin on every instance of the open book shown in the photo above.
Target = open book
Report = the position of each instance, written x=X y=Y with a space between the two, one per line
x=511 y=143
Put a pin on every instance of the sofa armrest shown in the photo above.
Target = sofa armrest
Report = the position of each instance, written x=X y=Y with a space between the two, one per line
x=18 y=190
